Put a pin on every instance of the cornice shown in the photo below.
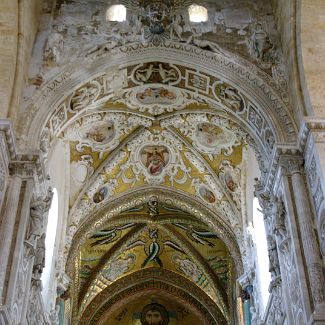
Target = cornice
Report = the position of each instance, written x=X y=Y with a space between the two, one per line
x=26 y=164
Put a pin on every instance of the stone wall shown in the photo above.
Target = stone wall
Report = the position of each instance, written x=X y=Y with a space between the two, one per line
x=301 y=24
x=18 y=27
x=285 y=13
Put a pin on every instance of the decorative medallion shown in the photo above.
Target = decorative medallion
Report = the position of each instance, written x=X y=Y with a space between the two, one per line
x=160 y=157
x=213 y=139
x=207 y=195
x=157 y=99
x=100 y=195
x=211 y=135
x=230 y=178
x=152 y=95
x=154 y=158
x=101 y=132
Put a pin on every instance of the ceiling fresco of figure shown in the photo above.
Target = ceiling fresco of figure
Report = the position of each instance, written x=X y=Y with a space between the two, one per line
x=158 y=113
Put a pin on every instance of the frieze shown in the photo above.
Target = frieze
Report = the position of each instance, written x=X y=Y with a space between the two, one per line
x=26 y=165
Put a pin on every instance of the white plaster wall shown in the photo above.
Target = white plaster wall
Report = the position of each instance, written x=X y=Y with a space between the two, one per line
x=57 y=166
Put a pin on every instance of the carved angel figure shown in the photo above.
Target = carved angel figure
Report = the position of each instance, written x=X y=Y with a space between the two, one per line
x=54 y=48
x=259 y=43
x=196 y=39
x=231 y=97
x=84 y=96
x=144 y=74
x=273 y=256
x=176 y=27
x=279 y=218
x=37 y=210
x=54 y=315
x=167 y=75
x=39 y=262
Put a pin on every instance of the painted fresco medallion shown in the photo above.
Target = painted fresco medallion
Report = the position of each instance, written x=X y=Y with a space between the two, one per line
x=208 y=134
x=213 y=139
x=157 y=99
x=154 y=158
x=96 y=131
x=229 y=175
x=100 y=132
x=207 y=195
x=100 y=195
x=156 y=95
x=230 y=182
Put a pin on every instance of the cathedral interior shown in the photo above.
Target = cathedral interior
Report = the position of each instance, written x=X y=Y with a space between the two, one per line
x=162 y=162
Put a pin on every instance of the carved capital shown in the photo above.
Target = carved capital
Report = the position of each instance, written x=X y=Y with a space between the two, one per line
x=4 y=316
x=275 y=283
x=315 y=127
x=22 y=169
x=63 y=283
x=292 y=165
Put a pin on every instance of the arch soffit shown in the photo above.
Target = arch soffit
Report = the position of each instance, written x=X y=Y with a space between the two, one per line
x=262 y=91
x=153 y=279
x=172 y=197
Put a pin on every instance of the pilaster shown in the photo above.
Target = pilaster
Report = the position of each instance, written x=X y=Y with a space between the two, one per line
x=22 y=177
x=303 y=211
x=314 y=130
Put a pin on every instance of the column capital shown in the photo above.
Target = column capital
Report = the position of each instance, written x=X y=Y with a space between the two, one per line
x=4 y=316
x=292 y=165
